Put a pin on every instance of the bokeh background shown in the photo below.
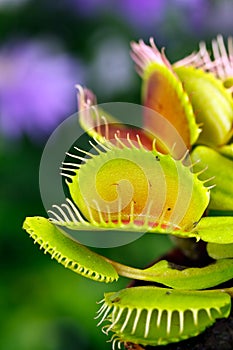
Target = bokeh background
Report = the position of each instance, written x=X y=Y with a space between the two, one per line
x=46 y=47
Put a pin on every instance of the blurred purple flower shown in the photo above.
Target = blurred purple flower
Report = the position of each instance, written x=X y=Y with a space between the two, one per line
x=147 y=16
x=140 y=13
x=36 y=87
x=193 y=13
x=220 y=18
x=88 y=7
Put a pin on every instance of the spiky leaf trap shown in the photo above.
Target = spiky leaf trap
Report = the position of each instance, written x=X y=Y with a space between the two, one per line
x=158 y=316
x=102 y=126
x=93 y=119
x=69 y=253
x=126 y=187
x=219 y=62
x=163 y=92
x=221 y=168
x=212 y=104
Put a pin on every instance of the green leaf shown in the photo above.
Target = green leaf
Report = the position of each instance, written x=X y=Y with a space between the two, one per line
x=190 y=278
x=216 y=229
x=68 y=252
x=221 y=196
x=212 y=104
x=220 y=251
x=158 y=316
x=227 y=151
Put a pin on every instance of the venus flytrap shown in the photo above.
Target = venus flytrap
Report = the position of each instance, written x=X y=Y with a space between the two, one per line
x=219 y=62
x=208 y=101
x=152 y=170
x=68 y=252
x=158 y=316
x=193 y=96
x=213 y=78
x=163 y=92
x=131 y=187
x=131 y=181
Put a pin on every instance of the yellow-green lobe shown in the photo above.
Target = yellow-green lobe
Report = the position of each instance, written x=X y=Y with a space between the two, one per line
x=212 y=105
x=136 y=185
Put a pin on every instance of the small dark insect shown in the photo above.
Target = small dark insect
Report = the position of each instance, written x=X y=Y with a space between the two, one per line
x=116 y=300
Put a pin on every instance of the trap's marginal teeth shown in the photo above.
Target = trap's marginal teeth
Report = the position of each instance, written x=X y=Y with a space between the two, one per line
x=222 y=63
x=132 y=188
x=102 y=126
x=158 y=316
x=68 y=252
x=96 y=122
x=144 y=55
x=163 y=92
